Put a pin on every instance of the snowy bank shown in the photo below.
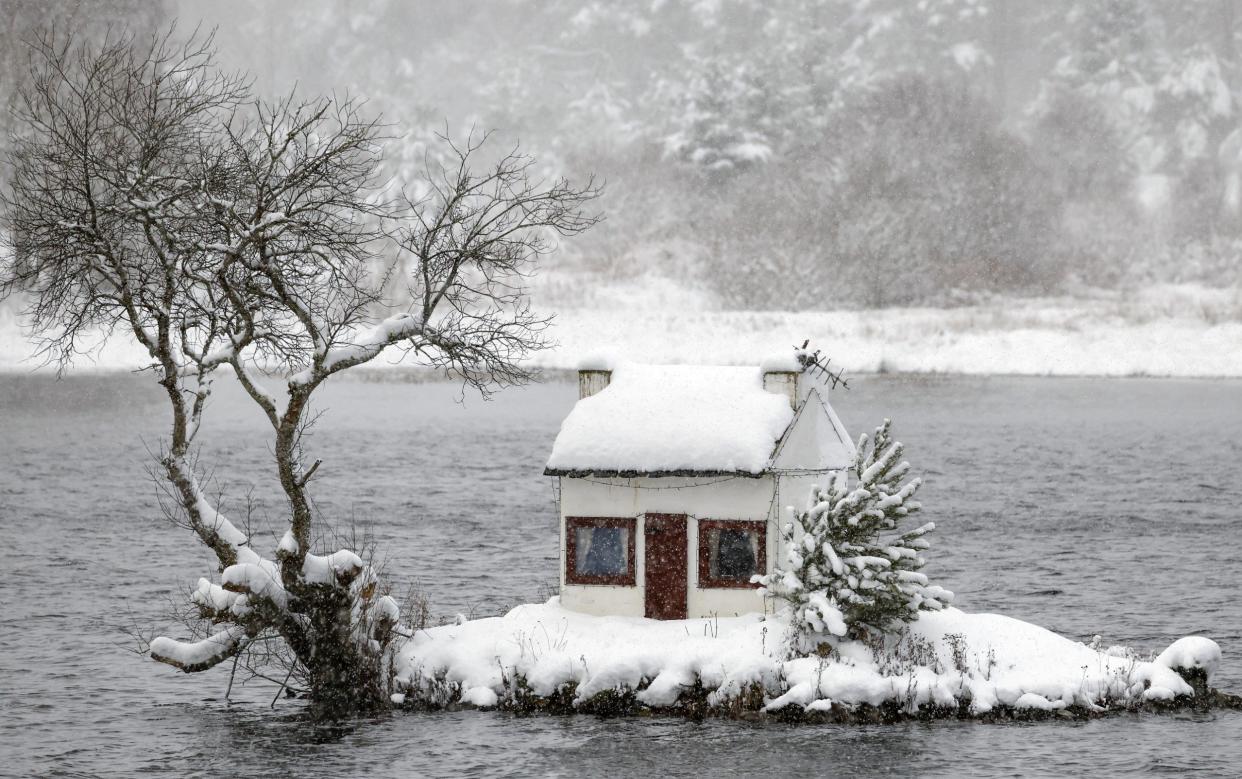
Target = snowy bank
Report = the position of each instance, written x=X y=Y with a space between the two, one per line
x=539 y=656
x=1169 y=330
x=1174 y=332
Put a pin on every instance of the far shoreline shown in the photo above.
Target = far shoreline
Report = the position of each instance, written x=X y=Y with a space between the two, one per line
x=411 y=374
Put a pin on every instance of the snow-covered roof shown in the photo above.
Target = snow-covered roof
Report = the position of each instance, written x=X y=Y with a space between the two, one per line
x=665 y=419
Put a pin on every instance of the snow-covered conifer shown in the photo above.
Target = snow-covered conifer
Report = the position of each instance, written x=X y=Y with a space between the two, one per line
x=850 y=565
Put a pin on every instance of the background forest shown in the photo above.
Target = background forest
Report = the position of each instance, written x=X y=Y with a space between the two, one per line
x=798 y=154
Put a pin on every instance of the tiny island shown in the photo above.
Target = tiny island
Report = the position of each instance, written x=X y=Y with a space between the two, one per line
x=726 y=548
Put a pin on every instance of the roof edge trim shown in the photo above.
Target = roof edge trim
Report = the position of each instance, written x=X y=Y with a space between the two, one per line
x=602 y=472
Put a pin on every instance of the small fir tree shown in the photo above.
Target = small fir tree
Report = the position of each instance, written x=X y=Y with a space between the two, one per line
x=849 y=568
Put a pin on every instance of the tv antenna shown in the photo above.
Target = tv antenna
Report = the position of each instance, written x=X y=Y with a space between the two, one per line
x=819 y=366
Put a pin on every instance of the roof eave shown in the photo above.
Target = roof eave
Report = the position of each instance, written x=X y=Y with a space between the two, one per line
x=634 y=474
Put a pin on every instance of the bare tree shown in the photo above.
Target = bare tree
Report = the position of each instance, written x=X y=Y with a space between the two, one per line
x=153 y=196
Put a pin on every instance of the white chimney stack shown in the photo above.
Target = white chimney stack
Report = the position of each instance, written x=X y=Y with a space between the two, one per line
x=783 y=383
x=594 y=374
x=780 y=375
x=592 y=381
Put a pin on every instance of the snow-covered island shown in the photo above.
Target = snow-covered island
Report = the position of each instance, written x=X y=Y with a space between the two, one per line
x=691 y=583
x=945 y=663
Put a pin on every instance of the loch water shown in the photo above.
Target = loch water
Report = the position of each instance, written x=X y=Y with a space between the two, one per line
x=1088 y=506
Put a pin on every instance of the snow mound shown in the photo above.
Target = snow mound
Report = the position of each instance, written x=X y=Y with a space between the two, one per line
x=1190 y=653
x=1032 y=700
x=944 y=658
x=661 y=418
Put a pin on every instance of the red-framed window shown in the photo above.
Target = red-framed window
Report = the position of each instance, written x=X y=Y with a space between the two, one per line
x=599 y=550
x=731 y=551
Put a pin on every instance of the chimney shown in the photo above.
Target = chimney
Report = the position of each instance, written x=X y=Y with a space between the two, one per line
x=594 y=374
x=591 y=381
x=783 y=383
x=781 y=371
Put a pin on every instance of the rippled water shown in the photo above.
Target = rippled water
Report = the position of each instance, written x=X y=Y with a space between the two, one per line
x=1086 y=506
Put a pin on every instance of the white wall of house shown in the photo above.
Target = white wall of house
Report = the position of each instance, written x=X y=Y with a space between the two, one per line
x=715 y=497
x=699 y=498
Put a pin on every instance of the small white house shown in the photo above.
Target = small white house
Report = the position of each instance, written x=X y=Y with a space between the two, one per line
x=672 y=478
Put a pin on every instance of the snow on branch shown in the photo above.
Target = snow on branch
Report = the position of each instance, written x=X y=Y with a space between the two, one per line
x=194 y=656
x=256 y=580
x=216 y=522
x=337 y=568
x=364 y=347
x=216 y=603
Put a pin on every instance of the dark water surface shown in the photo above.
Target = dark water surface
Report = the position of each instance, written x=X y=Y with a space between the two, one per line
x=1086 y=506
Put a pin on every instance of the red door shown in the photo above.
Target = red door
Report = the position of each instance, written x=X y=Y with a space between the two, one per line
x=665 y=562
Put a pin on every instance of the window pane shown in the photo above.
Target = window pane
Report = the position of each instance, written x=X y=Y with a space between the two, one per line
x=601 y=551
x=734 y=553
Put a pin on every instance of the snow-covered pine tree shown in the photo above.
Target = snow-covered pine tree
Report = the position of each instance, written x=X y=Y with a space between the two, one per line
x=849 y=567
